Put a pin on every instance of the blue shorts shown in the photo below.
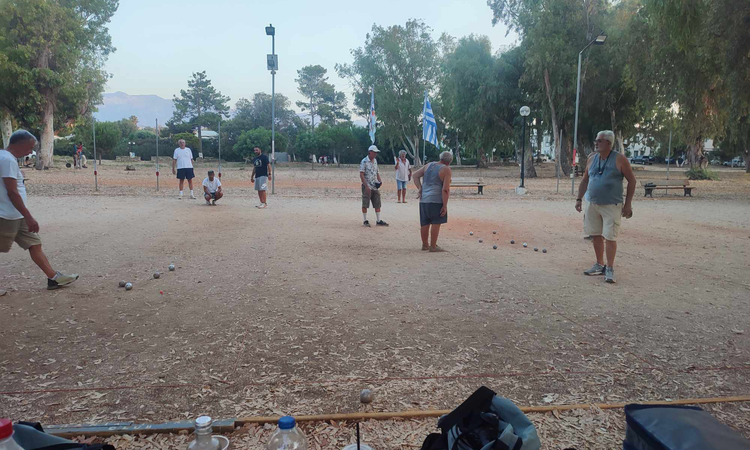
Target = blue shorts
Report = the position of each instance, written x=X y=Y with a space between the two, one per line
x=429 y=214
x=401 y=184
x=185 y=173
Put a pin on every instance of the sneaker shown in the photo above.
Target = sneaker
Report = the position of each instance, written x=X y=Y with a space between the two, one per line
x=596 y=269
x=262 y=206
x=213 y=202
x=208 y=203
x=366 y=223
x=61 y=280
x=192 y=197
x=179 y=197
x=609 y=275
x=381 y=223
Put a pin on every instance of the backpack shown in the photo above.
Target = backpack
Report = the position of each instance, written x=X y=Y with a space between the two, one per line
x=484 y=421
x=31 y=436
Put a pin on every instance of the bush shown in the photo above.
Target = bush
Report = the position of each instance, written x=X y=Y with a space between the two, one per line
x=696 y=173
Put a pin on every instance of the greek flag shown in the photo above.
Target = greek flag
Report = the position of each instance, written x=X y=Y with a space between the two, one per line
x=429 y=126
x=373 y=118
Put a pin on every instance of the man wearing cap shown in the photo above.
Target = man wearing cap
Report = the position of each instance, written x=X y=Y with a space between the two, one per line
x=368 y=173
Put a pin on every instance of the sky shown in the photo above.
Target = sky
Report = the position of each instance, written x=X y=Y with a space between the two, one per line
x=160 y=43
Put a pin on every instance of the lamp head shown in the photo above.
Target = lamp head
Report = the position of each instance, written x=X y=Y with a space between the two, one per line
x=600 y=39
x=270 y=30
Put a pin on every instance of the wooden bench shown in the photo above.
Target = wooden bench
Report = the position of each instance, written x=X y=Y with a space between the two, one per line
x=652 y=185
x=469 y=183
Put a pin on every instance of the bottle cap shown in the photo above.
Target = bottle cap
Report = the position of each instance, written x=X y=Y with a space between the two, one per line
x=203 y=422
x=6 y=428
x=287 y=423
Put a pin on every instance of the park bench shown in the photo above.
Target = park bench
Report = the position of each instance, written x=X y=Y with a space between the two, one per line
x=652 y=185
x=469 y=183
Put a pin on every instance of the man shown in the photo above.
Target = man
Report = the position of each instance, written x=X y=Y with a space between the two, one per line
x=261 y=175
x=368 y=174
x=16 y=222
x=433 y=199
x=403 y=175
x=602 y=184
x=212 y=189
x=79 y=154
x=183 y=158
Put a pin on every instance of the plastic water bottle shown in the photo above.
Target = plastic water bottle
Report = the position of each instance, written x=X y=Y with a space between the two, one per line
x=6 y=436
x=287 y=436
x=203 y=439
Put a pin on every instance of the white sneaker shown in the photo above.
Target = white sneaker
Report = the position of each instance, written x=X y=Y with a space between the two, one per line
x=179 y=197
x=192 y=197
x=262 y=206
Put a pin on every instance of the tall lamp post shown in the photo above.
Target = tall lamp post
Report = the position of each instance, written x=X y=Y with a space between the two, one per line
x=273 y=66
x=599 y=40
x=525 y=111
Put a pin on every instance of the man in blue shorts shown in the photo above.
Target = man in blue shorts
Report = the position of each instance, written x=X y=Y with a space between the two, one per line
x=433 y=199
x=261 y=175
x=183 y=159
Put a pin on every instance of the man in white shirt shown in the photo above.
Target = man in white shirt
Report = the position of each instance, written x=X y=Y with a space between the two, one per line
x=371 y=182
x=212 y=188
x=403 y=175
x=183 y=159
x=16 y=222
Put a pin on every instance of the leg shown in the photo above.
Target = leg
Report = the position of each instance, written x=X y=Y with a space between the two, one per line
x=599 y=249
x=611 y=252
x=425 y=232
x=403 y=199
x=262 y=195
x=434 y=234
x=219 y=195
x=182 y=183
x=190 y=183
x=38 y=256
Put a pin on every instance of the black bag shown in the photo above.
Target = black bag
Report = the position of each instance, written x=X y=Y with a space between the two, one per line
x=670 y=427
x=484 y=421
x=31 y=436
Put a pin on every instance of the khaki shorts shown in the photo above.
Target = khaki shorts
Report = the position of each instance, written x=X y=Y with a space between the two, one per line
x=602 y=220
x=16 y=231
x=374 y=197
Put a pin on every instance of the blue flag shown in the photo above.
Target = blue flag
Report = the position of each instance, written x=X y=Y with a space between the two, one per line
x=372 y=119
x=429 y=126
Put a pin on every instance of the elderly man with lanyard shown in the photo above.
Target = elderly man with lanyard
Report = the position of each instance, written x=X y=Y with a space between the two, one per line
x=602 y=185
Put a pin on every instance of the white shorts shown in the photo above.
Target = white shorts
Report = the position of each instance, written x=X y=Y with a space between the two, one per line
x=602 y=220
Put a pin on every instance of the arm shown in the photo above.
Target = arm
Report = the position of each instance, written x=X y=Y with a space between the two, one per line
x=174 y=162
x=448 y=175
x=252 y=175
x=627 y=171
x=410 y=172
x=269 y=170
x=418 y=180
x=364 y=183
x=11 y=185
x=205 y=189
x=583 y=186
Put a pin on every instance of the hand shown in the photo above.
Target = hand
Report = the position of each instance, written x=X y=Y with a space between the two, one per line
x=173 y=172
x=32 y=224
x=627 y=211
x=419 y=194
x=443 y=211
x=269 y=178
x=252 y=179
x=578 y=206
x=368 y=191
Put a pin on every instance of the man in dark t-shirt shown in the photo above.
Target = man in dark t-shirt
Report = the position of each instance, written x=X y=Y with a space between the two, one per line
x=261 y=175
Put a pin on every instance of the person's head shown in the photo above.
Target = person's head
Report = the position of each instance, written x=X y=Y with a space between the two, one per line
x=372 y=152
x=21 y=143
x=257 y=151
x=604 y=141
x=211 y=175
x=446 y=158
x=402 y=154
x=181 y=143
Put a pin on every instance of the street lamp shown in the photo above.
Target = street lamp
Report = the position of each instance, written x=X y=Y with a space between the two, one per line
x=525 y=111
x=273 y=66
x=599 y=40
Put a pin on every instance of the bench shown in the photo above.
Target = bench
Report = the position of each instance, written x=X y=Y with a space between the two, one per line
x=469 y=183
x=651 y=186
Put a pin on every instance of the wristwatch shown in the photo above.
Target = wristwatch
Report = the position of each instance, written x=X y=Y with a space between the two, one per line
x=579 y=200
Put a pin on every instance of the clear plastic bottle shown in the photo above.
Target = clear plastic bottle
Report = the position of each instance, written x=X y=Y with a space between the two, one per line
x=287 y=436
x=203 y=439
x=6 y=436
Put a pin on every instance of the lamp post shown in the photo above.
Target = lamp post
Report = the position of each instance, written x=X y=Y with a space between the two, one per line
x=599 y=40
x=273 y=66
x=525 y=111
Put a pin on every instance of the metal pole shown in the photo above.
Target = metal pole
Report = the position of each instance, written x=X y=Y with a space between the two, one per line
x=96 y=175
x=273 y=119
x=523 y=151
x=575 y=127
x=669 y=152
x=219 y=147
x=424 y=152
x=157 y=153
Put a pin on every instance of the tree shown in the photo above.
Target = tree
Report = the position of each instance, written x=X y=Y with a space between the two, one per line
x=134 y=120
x=259 y=137
x=56 y=50
x=400 y=62
x=127 y=127
x=257 y=111
x=197 y=103
x=107 y=137
x=313 y=85
x=190 y=139
x=334 y=106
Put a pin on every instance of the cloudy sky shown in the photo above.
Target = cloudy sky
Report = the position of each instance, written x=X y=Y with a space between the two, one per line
x=161 y=42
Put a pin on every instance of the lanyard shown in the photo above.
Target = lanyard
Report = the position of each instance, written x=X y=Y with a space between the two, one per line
x=599 y=163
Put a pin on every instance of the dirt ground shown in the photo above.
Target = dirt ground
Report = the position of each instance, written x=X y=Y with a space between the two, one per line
x=296 y=308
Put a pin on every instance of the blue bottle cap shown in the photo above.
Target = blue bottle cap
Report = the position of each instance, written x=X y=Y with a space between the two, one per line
x=287 y=423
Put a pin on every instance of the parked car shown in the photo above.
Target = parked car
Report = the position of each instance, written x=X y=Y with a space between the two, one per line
x=738 y=162
x=715 y=162
x=673 y=160
x=640 y=160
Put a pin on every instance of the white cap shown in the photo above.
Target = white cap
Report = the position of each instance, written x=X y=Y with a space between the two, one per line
x=373 y=149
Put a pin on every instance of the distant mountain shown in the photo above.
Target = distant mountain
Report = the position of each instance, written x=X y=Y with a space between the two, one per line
x=147 y=108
